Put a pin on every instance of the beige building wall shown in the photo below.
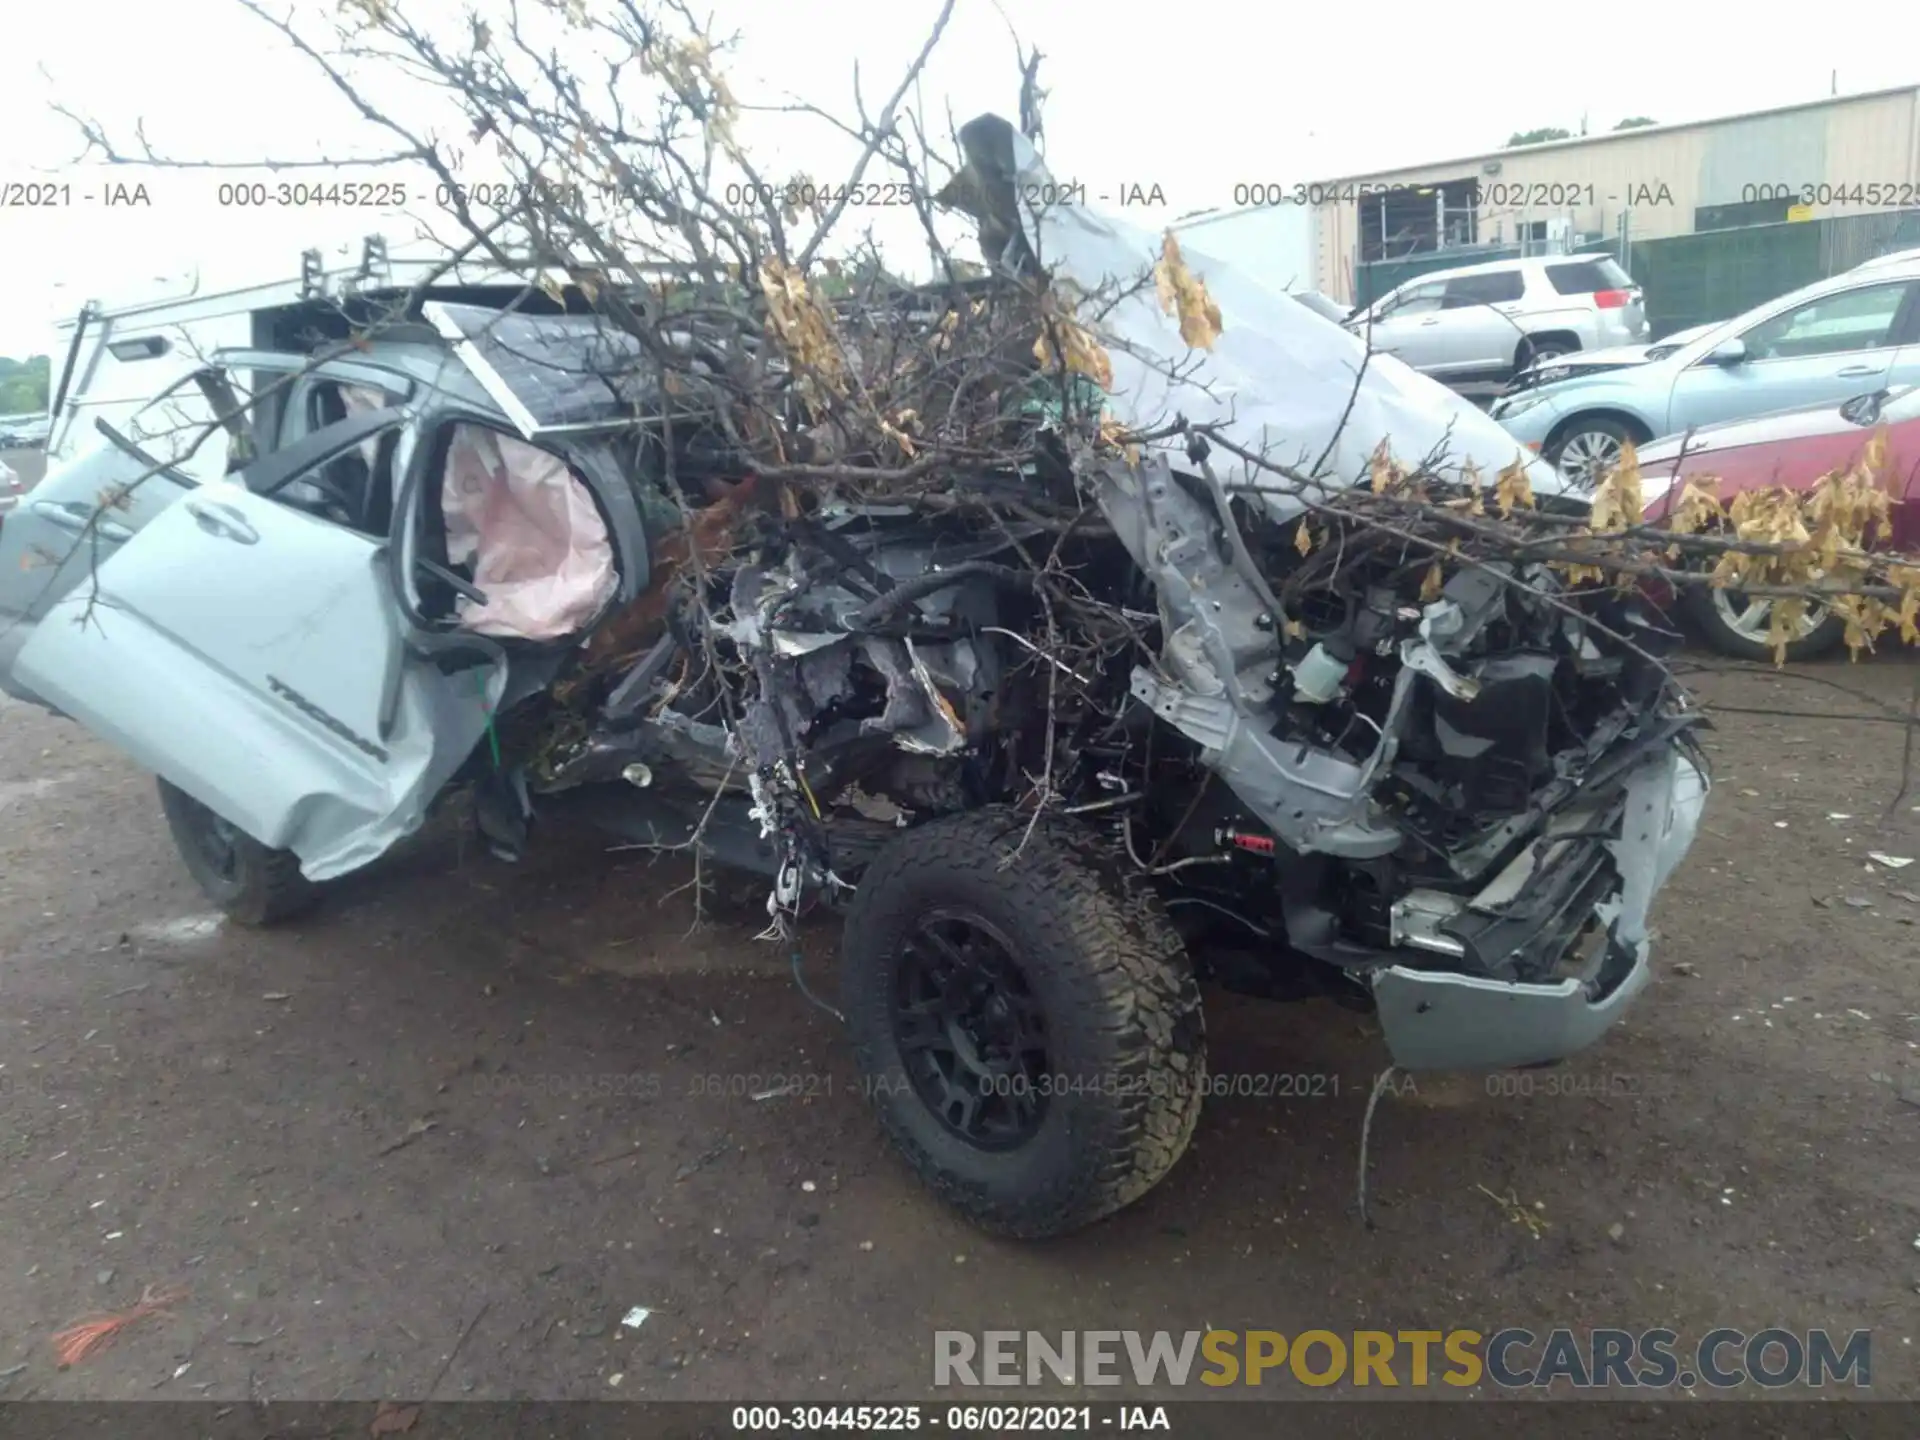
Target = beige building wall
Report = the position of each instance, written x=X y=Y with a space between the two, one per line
x=1822 y=152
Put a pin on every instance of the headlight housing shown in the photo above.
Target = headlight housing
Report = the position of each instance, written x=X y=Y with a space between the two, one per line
x=1519 y=404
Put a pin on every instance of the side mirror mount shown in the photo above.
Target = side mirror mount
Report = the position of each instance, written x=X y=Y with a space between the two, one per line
x=1864 y=410
x=1729 y=352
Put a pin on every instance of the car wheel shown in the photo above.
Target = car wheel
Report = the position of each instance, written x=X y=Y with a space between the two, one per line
x=1030 y=1034
x=1737 y=624
x=1589 y=450
x=251 y=883
x=1532 y=352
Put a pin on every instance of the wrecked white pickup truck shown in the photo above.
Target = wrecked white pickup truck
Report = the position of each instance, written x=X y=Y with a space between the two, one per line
x=1057 y=770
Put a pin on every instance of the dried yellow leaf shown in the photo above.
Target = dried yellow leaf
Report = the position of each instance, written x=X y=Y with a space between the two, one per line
x=1907 y=580
x=896 y=431
x=1783 y=625
x=1112 y=432
x=1616 y=499
x=1513 y=490
x=804 y=330
x=1698 y=509
x=1475 y=497
x=1381 y=470
x=1079 y=351
x=1865 y=618
x=1182 y=291
x=1432 y=584
x=1846 y=510
x=1303 y=538
x=687 y=67
x=797 y=188
x=1873 y=458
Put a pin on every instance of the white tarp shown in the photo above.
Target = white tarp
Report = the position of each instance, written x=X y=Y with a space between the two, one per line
x=1279 y=378
x=532 y=533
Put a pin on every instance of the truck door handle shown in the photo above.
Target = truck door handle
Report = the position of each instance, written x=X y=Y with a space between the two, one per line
x=1429 y=322
x=75 y=515
x=222 y=521
x=1853 y=370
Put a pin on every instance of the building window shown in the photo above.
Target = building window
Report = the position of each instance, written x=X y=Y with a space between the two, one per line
x=1732 y=217
x=1417 y=220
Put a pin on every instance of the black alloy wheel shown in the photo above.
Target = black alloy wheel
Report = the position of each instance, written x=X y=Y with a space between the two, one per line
x=970 y=1031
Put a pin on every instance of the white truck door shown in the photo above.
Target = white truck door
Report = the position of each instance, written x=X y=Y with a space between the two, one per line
x=252 y=654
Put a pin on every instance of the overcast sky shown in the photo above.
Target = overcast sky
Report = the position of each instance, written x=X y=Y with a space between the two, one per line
x=1194 y=97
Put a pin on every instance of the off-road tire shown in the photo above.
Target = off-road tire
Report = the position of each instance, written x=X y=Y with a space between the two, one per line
x=1110 y=975
x=265 y=886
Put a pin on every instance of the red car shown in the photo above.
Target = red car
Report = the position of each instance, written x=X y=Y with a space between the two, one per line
x=1793 y=448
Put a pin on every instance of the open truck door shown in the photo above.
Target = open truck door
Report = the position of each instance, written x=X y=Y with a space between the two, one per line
x=89 y=505
x=252 y=654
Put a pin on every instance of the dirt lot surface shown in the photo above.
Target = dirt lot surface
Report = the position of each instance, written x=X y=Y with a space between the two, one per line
x=444 y=1134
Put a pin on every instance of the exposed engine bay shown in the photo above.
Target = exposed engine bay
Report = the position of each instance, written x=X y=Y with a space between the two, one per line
x=1375 y=771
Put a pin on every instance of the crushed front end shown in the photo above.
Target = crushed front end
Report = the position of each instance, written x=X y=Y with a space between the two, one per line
x=1460 y=795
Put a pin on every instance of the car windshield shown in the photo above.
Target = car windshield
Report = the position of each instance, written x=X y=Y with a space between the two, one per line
x=1679 y=340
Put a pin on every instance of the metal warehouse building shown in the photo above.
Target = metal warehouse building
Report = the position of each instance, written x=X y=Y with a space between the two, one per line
x=1852 y=155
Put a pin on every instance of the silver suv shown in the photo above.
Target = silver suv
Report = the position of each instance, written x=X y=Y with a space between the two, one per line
x=1486 y=322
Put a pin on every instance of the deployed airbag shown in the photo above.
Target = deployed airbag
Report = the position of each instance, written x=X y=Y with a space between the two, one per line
x=532 y=533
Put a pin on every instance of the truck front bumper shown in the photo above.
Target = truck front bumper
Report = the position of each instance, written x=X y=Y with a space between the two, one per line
x=1443 y=1020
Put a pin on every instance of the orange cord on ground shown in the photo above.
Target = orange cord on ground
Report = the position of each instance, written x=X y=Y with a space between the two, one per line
x=78 y=1341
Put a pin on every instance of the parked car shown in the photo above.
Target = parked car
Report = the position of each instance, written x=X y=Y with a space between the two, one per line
x=1793 y=449
x=1456 y=808
x=1892 y=257
x=1591 y=362
x=1827 y=342
x=25 y=432
x=1486 y=322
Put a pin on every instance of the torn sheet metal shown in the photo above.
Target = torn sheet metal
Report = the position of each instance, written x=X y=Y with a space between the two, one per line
x=1219 y=658
x=1279 y=379
x=917 y=715
x=810 y=631
x=1439 y=1020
